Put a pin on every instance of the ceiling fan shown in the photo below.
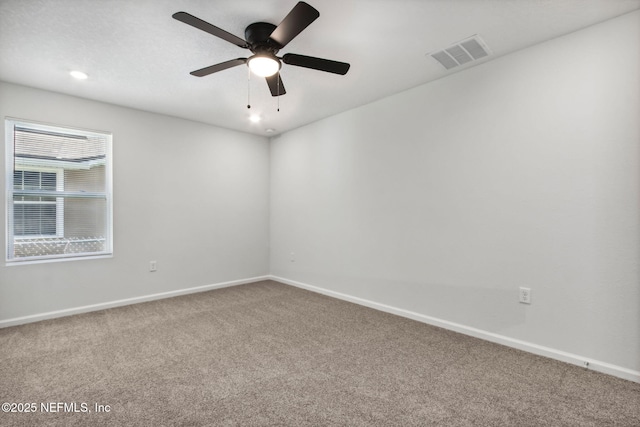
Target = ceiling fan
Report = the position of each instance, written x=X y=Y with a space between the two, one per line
x=264 y=40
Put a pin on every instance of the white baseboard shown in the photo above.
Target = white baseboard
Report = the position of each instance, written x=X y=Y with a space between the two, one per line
x=595 y=365
x=127 y=301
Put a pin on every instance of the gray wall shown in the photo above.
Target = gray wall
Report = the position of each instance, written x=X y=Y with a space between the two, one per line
x=192 y=197
x=443 y=200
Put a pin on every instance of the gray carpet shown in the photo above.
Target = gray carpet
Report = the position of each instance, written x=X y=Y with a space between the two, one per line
x=270 y=354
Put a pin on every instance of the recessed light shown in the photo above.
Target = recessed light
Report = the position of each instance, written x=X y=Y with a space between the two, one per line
x=78 y=75
x=254 y=118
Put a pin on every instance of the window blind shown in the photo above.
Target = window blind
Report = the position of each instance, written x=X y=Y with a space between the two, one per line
x=59 y=192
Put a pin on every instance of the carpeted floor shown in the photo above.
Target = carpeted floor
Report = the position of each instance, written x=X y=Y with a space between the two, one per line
x=270 y=354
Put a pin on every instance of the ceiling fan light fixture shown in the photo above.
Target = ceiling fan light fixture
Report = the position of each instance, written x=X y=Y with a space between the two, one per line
x=263 y=65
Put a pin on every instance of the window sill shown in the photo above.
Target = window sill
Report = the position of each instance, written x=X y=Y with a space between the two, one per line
x=30 y=261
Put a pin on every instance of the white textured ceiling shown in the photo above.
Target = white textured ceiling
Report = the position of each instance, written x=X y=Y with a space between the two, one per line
x=138 y=56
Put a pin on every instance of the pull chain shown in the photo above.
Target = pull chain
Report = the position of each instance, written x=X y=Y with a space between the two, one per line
x=278 y=100
x=248 y=88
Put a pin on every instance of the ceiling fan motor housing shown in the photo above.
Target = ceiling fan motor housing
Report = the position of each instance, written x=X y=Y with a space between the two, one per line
x=257 y=35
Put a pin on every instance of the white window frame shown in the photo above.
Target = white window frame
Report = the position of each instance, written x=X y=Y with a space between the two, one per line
x=10 y=125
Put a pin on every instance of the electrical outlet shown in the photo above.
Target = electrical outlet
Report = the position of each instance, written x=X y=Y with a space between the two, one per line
x=292 y=257
x=525 y=295
x=153 y=265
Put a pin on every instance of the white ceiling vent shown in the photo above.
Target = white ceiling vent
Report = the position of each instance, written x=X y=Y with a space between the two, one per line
x=464 y=51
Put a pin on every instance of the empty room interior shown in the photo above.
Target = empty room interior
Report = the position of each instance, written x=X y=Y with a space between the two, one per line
x=429 y=214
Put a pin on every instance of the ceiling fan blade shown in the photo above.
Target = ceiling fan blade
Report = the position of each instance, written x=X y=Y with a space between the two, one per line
x=218 y=67
x=297 y=20
x=316 y=63
x=275 y=85
x=211 y=29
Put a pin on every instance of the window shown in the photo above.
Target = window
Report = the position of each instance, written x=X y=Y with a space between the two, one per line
x=58 y=192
